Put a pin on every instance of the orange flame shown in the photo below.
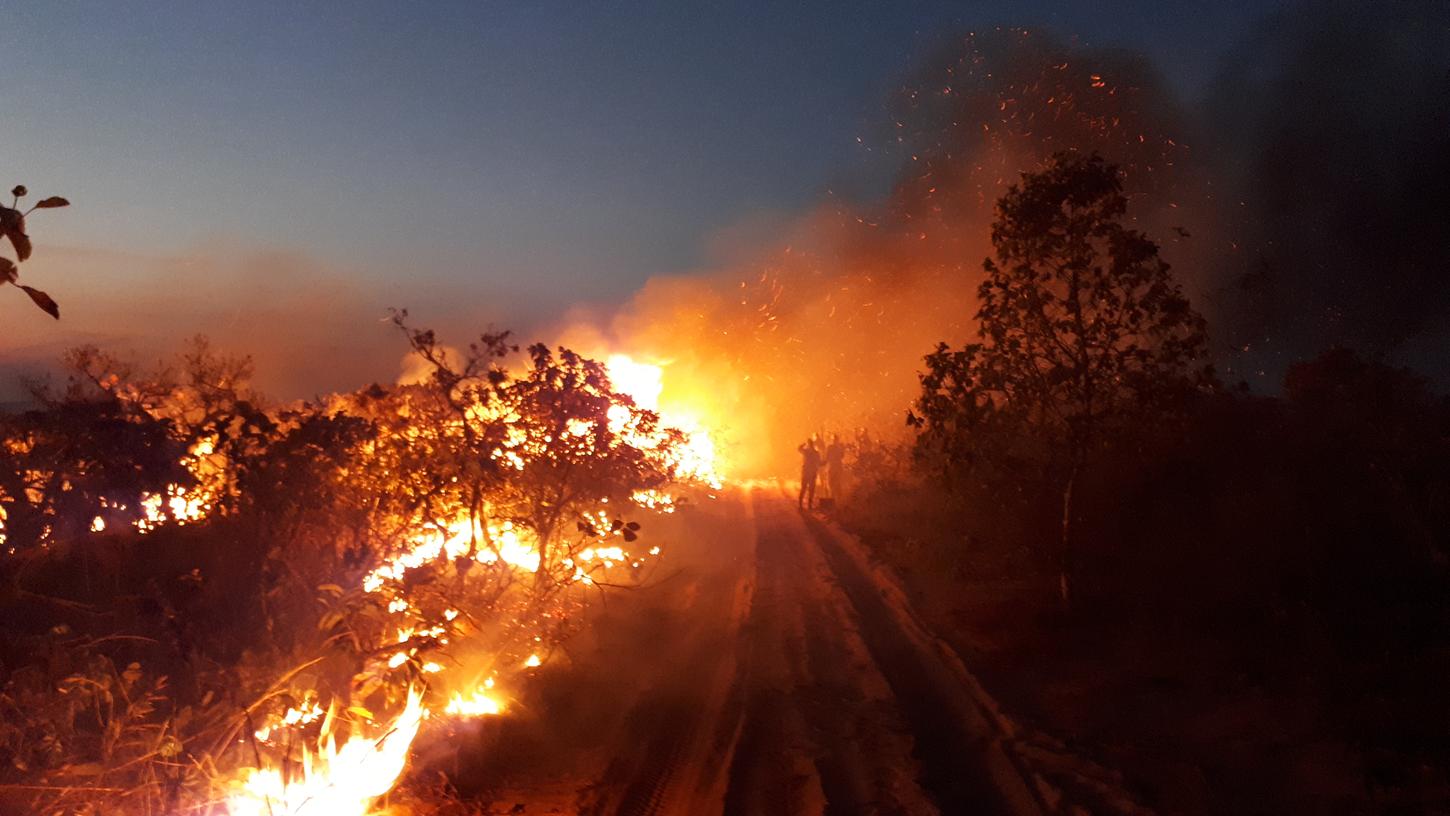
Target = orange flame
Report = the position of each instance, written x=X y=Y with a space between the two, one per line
x=333 y=781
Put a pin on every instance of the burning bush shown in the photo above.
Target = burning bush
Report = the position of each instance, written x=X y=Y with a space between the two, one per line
x=319 y=579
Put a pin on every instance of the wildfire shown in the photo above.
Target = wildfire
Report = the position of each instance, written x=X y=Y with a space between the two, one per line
x=306 y=760
x=644 y=383
x=481 y=702
x=641 y=381
x=508 y=544
x=333 y=781
x=345 y=781
x=177 y=504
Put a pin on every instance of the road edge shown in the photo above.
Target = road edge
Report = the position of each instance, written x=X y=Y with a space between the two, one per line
x=1023 y=790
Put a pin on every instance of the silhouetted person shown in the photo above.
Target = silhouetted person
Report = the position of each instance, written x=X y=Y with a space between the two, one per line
x=810 y=466
x=835 y=467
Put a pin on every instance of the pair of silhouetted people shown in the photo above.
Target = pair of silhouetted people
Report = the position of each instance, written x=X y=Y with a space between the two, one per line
x=834 y=458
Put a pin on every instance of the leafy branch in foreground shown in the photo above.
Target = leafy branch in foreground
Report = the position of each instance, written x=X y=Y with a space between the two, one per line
x=12 y=226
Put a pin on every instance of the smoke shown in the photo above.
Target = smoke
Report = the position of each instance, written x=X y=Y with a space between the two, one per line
x=1331 y=134
x=809 y=338
x=1305 y=203
x=312 y=328
x=823 y=329
x=308 y=328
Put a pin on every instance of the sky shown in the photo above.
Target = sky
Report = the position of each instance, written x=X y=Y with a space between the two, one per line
x=246 y=168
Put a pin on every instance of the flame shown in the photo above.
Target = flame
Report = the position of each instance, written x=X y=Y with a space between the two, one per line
x=479 y=703
x=186 y=505
x=333 y=781
x=178 y=504
x=513 y=547
x=295 y=716
x=328 y=779
x=696 y=459
x=641 y=381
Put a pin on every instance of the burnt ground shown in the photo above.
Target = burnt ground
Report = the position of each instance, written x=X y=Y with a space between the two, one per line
x=760 y=672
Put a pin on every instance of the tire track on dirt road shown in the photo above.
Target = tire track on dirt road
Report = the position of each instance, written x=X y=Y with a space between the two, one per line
x=963 y=766
x=785 y=684
x=822 y=733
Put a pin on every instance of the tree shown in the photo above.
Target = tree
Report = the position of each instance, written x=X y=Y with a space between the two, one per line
x=350 y=550
x=12 y=227
x=1081 y=328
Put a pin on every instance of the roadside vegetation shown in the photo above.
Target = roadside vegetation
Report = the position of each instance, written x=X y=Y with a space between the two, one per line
x=1241 y=601
x=205 y=591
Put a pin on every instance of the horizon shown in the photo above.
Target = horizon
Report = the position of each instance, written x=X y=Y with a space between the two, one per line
x=520 y=165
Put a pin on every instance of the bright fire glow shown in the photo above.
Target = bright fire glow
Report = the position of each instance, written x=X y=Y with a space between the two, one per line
x=328 y=779
x=644 y=383
x=333 y=781
x=479 y=703
x=641 y=381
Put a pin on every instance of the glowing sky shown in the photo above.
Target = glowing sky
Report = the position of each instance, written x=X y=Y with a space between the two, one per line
x=288 y=170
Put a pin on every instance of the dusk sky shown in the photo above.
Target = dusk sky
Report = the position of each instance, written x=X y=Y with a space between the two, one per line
x=503 y=159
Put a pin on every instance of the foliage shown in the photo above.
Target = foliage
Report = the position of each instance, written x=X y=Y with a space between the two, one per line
x=77 y=459
x=1080 y=325
x=1082 y=329
x=12 y=228
x=451 y=521
x=1262 y=571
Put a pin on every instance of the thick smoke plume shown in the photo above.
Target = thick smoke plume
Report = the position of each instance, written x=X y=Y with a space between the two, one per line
x=1331 y=139
x=824 y=332
x=1305 y=204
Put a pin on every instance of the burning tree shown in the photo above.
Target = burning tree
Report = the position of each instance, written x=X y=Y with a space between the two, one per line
x=1082 y=327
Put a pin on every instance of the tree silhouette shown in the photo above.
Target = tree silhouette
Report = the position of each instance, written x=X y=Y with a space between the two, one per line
x=1081 y=327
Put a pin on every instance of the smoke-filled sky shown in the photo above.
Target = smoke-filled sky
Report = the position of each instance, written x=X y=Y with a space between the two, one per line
x=276 y=175
x=274 y=172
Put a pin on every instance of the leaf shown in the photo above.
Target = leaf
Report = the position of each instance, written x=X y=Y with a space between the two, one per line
x=333 y=589
x=360 y=711
x=12 y=226
x=42 y=300
x=83 y=769
x=19 y=190
x=8 y=271
x=21 y=242
x=51 y=203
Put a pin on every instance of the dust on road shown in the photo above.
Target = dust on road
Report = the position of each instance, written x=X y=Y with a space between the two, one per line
x=760 y=673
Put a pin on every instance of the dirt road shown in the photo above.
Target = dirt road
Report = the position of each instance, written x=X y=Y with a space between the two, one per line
x=763 y=672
